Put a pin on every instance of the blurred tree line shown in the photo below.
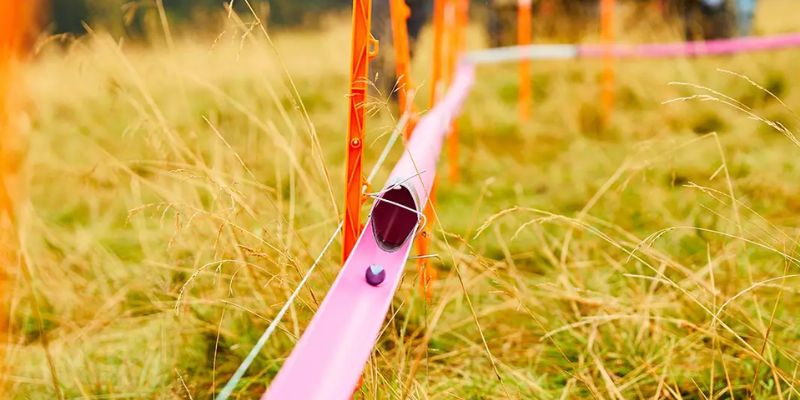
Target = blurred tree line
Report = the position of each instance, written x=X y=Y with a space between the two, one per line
x=134 y=16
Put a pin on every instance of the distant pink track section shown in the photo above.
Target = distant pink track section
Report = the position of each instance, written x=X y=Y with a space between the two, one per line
x=698 y=48
x=330 y=356
x=655 y=50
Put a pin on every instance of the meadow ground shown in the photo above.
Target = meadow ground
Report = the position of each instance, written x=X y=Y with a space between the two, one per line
x=177 y=193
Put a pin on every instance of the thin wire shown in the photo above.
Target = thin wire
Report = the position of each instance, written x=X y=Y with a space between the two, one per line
x=530 y=52
x=401 y=125
x=395 y=184
x=237 y=376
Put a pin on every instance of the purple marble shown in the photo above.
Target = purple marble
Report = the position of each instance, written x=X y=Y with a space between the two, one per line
x=375 y=275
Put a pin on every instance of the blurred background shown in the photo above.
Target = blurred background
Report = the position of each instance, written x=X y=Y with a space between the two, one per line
x=177 y=168
x=140 y=18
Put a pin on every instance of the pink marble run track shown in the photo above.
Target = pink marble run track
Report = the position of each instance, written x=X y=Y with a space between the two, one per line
x=328 y=359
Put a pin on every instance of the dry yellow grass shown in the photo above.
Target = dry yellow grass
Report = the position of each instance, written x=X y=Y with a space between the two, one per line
x=177 y=196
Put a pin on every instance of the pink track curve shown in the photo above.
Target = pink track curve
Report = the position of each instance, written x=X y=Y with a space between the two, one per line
x=697 y=48
x=328 y=359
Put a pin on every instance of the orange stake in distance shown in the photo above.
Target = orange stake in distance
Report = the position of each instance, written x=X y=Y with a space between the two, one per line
x=607 y=36
x=523 y=39
x=660 y=6
x=437 y=69
x=450 y=40
x=14 y=19
x=364 y=48
x=455 y=17
x=426 y=271
x=451 y=52
x=402 y=52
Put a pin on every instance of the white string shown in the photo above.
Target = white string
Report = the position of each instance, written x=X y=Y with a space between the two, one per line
x=251 y=356
x=419 y=213
x=396 y=184
x=237 y=376
x=530 y=52
x=401 y=126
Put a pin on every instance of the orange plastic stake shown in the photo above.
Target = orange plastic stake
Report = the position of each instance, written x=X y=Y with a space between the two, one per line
x=547 y=8
x=365 y=47
x=402 y=51
x=450 y=40
x=438 y=50
x=426 y=272
x=607 y=36
x=450 y=55
x=523 y=39
x=660 y=7
x=457 y=44
x=14 y=16
x=463 y=22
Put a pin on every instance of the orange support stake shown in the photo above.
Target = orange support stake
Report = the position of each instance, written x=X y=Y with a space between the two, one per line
x=523 y=39
x=607 y=36
x=451 y=22
x=14 y=19
x=402 y=51
x=364 y=48
x=463 y=21
x=460 y=9
x=438 y=50
x=660 y=6
x=426 y=272
x=450 y=40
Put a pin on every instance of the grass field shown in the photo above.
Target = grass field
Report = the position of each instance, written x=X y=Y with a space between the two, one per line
x=177 y=193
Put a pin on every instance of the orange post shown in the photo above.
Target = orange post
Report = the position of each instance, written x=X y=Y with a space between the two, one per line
x=660 y=7
x=426 y=272
x=458 y=28
x=14 y=16
x=450 y=43
x=607 y=36
x=453 y=19
x=364 y=48
x=463 y=21
x=437 y=70
x=402 y=52
x=450 y=40
x=523 y=39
